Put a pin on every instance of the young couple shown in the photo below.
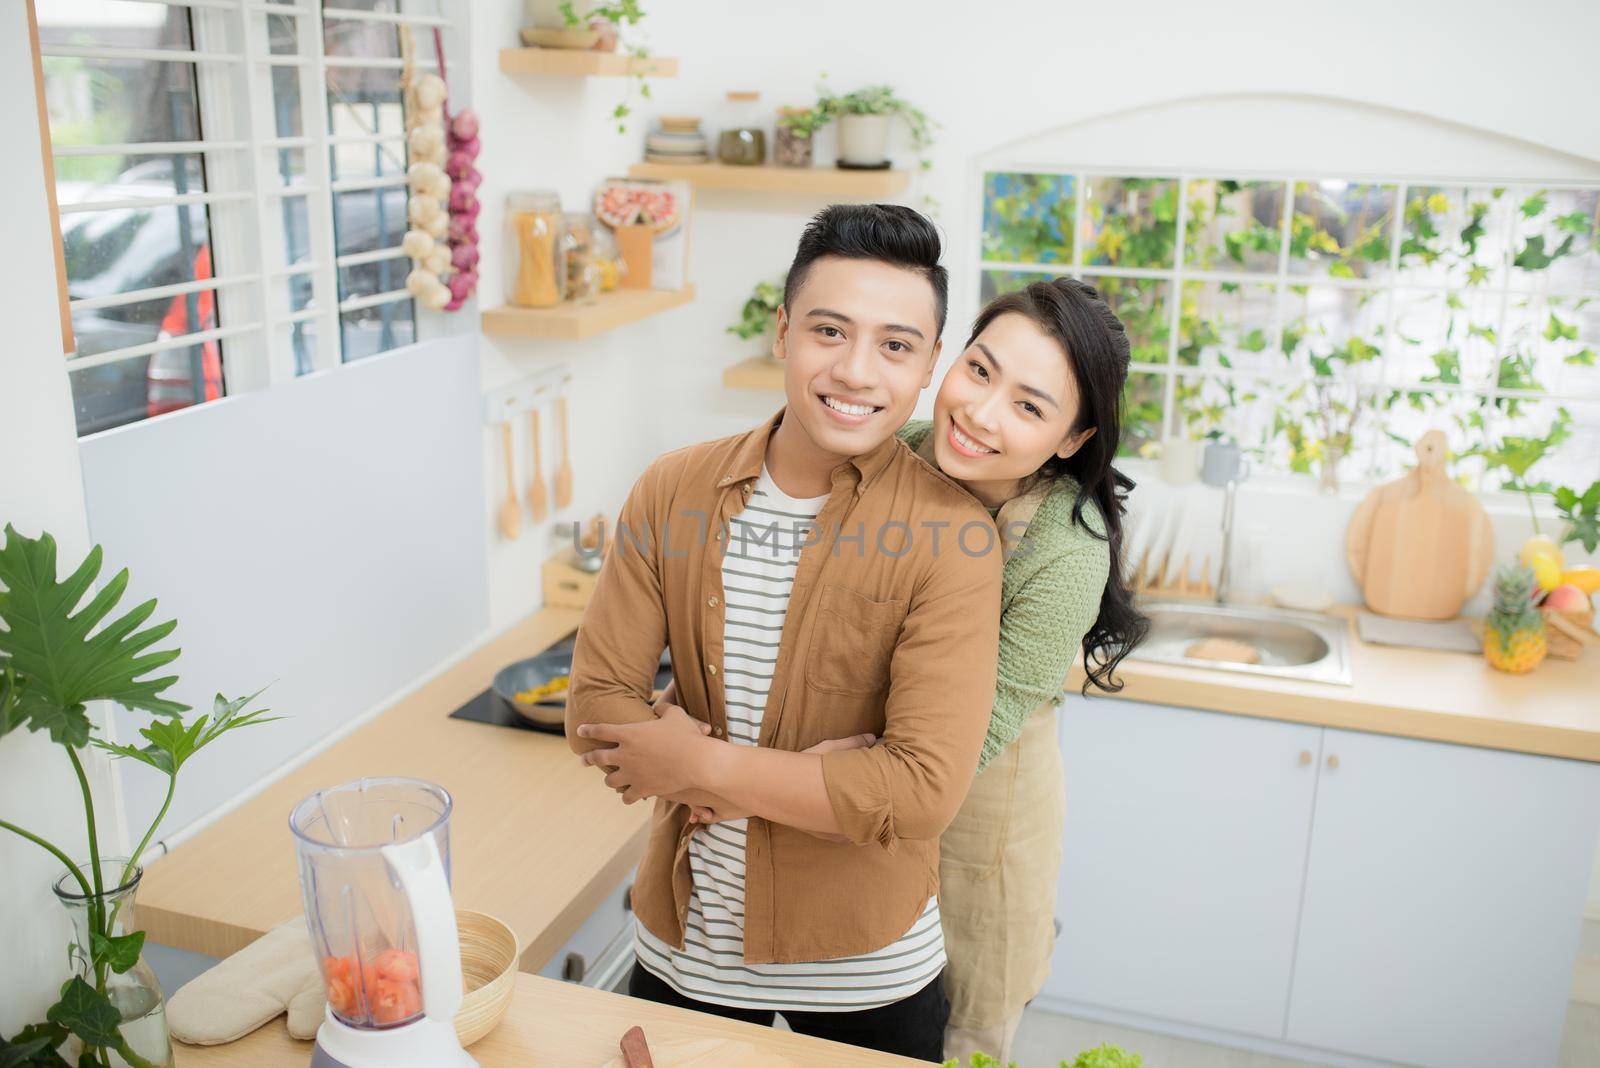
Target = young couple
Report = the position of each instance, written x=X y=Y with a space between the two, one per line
x=831 y=586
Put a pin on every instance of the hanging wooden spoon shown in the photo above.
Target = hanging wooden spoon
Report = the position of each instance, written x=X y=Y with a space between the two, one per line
x=538 y=496
x=564 y=472
x=510 y=514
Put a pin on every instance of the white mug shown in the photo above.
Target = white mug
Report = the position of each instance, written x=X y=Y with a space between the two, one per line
x=1180 y=460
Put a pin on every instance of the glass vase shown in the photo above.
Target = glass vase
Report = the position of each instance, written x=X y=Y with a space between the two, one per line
x=136 y=993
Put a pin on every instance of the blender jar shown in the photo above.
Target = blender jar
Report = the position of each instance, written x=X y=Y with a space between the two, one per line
x=374 y=872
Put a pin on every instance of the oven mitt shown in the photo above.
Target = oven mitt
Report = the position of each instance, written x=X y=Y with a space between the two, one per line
x=276 y=972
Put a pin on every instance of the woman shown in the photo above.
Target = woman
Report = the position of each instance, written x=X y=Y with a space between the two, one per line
x=1027 y=421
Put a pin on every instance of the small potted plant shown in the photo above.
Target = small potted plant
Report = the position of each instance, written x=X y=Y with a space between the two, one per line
x=797 y=129
x=56 y=658
x=864 y=121
x=759 y=316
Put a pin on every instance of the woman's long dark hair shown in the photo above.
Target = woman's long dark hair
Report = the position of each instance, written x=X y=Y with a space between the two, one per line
x=1096 y=347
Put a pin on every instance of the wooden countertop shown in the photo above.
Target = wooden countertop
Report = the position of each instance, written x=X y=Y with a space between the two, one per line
x=554 y=1023
x=536 y=838
x=1415 y=693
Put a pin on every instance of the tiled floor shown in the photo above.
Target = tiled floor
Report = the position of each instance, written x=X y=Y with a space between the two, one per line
x=1045 y=1039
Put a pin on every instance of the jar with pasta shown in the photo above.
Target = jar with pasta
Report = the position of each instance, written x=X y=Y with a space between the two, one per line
x=536 y=271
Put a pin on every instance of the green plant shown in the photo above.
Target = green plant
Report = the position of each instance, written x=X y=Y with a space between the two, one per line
x=621 y=14
x=55 y=658
x=760 y=308
x=1102 y=1056
x=804 y=122
x=877 y=100
x=1582 y=513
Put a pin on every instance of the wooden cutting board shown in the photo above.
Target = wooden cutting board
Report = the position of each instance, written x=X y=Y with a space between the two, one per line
x=1420 y=545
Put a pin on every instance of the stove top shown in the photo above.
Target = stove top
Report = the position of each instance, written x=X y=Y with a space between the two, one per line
x=488 y=708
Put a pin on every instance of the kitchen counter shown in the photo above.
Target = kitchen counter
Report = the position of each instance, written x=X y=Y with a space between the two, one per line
x=1413 y=693
x=536 y=838
x=550 y=1022
x=539 y=840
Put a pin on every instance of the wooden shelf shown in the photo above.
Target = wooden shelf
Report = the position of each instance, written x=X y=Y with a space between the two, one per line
x=758 y=372
x=576 y=63
x=809 y=181
x=574 y=322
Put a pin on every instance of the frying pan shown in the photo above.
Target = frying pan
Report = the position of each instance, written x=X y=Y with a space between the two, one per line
x=538 y=670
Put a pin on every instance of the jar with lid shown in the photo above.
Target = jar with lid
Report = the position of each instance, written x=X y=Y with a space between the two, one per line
x=536 y=265
x=743 y=142
x=583 y=273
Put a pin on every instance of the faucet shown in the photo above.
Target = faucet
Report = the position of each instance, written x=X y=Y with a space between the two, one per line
x=1225 y=569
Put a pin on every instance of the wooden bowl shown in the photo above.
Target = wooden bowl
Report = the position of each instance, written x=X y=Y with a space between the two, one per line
x=489 y=953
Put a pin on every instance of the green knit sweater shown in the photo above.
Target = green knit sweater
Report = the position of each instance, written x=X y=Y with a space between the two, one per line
x=1050 y=595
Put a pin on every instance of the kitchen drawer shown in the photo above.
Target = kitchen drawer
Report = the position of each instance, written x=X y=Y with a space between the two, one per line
x=575 y=961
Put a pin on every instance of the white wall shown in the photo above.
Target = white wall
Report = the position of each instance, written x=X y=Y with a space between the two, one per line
x=40 y=490
x=992 y=77
x=321 y=538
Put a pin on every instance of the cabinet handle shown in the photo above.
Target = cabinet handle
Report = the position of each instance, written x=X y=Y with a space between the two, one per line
x=1305 y=757
x=1333 y=762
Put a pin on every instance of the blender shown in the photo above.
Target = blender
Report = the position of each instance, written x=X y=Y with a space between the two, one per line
x=375 y=875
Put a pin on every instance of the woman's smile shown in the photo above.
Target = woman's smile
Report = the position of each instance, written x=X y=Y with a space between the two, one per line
x=966 y=444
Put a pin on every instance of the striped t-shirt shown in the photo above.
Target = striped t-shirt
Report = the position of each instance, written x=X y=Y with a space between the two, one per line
x=758 y=568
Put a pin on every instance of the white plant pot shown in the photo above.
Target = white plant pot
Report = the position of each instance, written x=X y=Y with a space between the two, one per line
x=546 y=14
x=864 y=140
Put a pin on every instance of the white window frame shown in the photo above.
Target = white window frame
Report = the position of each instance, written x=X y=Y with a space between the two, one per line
x=1176 y=276
x=233 y=68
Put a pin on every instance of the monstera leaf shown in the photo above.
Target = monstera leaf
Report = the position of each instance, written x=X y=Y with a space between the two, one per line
x=59 y=659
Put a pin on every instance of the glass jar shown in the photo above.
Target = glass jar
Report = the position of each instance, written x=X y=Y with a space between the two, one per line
x=743 y=141
x=583 y=275
x=790 y=148
x=536 y=268
x=607 y=258
x=141 y=1037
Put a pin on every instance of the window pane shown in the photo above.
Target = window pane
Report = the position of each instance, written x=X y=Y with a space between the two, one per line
x=1027 y=218
x=1335 y=330
x=995 y=282
x=1443 y=337
x=1141 y=412
x=287 y=120
x=369 y=219
x=1454 y=236
x=370 y=331
x=362 y=103
x=1234 y=226
x=1341 y=229
x=115 y=24
x=1141 y=304
x=1229 y=325
x=108 y=101
x=1130 y=222
x=1226 y=406
x=1405 y=415
x=1555 y=248
x=369 y=279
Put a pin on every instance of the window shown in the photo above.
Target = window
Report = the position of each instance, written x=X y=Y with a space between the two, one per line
x=1333 y=321
x=230 y=179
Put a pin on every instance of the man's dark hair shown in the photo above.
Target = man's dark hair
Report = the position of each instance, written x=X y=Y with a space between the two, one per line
x=891 y=233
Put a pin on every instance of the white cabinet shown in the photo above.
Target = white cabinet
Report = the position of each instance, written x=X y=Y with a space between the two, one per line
x=1321 y=891
x=1443 y=901
x=1184 y=850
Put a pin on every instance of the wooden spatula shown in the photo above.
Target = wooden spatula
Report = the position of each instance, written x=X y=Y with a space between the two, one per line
x=510 y=514
x=564 y=472
x=538 y=496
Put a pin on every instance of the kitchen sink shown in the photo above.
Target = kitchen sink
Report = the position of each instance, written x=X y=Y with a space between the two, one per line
x=1288 y=645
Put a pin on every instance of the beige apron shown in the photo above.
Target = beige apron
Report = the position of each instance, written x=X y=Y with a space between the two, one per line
x=998 y=864
x=999 y=859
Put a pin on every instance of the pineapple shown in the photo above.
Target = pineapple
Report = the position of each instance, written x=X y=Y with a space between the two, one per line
x=1513 y=631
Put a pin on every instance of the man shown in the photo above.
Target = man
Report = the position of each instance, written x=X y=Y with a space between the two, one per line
x=814 y=580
